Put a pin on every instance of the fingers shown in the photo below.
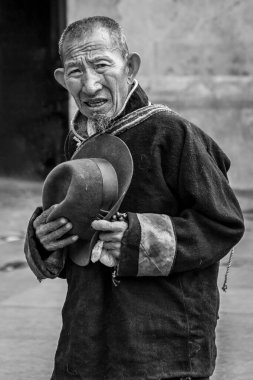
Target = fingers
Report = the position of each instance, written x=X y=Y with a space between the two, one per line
x=51 y=242
x=114 y=253
x=106 y=256
x=107 y=259
x=42 y=218
x=111 y=236
x=112 y=231
x=59 y=244
x=105 y=225
x=50 y=234
x=45 y=229
x=112 y=246
x=54 y=235
x=97 y=251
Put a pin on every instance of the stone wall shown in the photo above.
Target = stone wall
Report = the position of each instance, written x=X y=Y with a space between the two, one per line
x=196 y=57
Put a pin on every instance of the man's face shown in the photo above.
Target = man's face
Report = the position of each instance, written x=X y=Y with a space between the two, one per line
x=95 y=74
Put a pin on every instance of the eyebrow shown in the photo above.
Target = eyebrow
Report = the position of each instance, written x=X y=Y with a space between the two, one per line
x=98 y=58
x=72 y=64
x=91 y=60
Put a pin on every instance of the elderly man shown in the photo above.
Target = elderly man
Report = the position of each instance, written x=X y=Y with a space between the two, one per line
x=182 y=218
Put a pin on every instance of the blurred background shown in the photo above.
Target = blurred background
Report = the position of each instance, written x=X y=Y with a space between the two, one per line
x=197 y=57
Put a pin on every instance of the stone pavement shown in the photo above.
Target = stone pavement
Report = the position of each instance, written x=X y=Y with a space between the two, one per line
x=30 y=312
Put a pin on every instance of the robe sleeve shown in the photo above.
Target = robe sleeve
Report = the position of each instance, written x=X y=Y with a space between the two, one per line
x=44 y=264
x=207 y=226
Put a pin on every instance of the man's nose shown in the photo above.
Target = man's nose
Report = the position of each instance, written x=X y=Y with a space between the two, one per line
x=91 y=83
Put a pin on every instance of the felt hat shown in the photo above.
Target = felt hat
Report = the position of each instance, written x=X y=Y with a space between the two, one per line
x=90 y=186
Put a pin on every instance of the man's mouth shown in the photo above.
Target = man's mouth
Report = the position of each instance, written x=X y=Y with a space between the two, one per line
x=94 y=103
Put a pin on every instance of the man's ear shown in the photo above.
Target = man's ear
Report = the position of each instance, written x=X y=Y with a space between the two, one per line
x=59 y=76
x=134 y=62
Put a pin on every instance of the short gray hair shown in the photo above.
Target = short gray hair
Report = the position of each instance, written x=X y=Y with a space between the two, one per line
x=77 y=28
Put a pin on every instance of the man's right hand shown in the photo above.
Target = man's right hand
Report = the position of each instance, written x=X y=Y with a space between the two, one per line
x=50 y=234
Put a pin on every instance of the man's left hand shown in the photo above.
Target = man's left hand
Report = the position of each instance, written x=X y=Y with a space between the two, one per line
x=111 y=234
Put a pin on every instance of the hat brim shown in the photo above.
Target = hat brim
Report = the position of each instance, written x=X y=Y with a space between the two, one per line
x=115 y=151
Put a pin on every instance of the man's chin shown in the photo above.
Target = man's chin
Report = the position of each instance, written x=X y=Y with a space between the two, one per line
x=94 y=114
x=100 y=122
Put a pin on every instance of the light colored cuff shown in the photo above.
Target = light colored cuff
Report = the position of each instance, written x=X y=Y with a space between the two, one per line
x=157 y=246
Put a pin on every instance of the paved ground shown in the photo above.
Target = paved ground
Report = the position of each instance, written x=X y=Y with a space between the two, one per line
x=30 y=312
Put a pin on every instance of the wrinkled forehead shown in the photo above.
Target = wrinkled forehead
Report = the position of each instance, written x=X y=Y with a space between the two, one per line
x=90 y=43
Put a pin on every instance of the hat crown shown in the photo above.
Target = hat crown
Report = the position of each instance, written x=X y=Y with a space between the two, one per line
x=92 y=185
x=81 y=189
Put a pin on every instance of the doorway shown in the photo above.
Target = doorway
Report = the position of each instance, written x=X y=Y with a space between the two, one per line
x=33 y=107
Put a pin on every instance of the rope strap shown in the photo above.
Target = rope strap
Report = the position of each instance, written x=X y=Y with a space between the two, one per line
x=225 y=286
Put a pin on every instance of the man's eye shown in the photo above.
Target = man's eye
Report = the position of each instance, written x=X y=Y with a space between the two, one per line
x=100 y=66
x=74 y=72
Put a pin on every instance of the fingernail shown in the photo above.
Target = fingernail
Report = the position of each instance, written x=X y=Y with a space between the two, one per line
x=75 y=238
x=68 y=225
x=63 y=221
